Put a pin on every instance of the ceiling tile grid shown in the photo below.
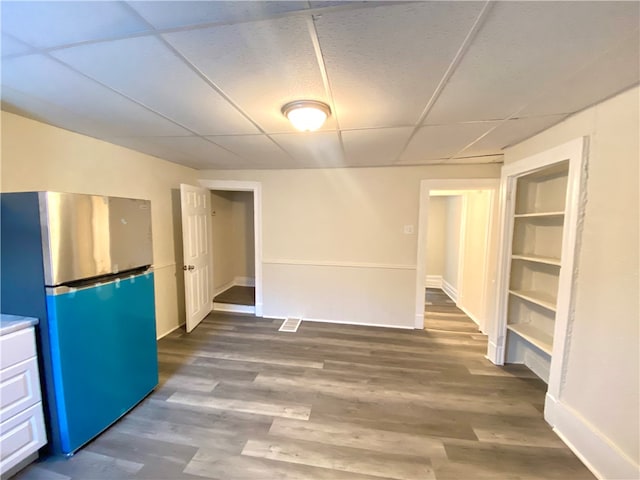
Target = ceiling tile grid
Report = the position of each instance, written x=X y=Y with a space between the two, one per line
x=260 y=65
x=46 y=79
x=522 y=48
x=202 y=83
x=384 y=62
x=145 y=69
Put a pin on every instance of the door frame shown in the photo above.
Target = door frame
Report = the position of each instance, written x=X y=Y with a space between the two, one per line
x=456 y=184
x=256 y=188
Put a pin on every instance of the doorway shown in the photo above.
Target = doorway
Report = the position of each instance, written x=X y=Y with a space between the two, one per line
x=232 y=248
x=456 y=259
x=236 y=240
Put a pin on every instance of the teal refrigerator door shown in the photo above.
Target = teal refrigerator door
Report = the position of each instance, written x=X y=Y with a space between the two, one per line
x=103 y=355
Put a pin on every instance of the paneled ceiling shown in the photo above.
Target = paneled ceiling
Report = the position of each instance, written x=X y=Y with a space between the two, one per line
x=409 y=83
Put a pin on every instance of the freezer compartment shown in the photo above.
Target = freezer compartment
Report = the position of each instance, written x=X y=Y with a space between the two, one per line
x=103 y=355
x=88 y=236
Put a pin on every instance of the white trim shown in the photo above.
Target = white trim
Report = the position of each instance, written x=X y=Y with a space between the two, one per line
x=591 y=446
x=223 y=288
x=233 y=308
x=575 y=152
x=161 y=267
x=462 y=244
x=330 y=263
x=256 y=188
x=450 y=290
x=346 y=322
x=170 y=331
x=423 y=209
x=433 y=281
x=475 y=319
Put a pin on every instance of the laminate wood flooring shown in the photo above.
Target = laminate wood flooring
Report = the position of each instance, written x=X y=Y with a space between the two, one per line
x=239 y=400
x=237 y=295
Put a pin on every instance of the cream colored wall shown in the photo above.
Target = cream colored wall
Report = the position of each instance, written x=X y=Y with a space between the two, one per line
x=602 y=376
x=36 y=156
x=333 y=241
x=232 y=239
x=222 y=241
x=436 y=236
x=475 y=254
x=453 y=213
x=244 y=238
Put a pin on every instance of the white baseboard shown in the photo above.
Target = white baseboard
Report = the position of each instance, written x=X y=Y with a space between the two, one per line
x=244 y=282
x=470 y=315
x=495 y=353
x=433 y=281
x=231 y=308
x=450 y=290
x=347 y=322
x=223 y=288
x=170 y=331
x=592 y=447
x=236 y=282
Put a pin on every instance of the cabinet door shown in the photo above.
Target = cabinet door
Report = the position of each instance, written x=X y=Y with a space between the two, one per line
x=20 y=436
x=19 y=388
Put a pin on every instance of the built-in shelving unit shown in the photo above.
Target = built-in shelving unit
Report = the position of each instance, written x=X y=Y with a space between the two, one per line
x=541 y=204
x=534 y=267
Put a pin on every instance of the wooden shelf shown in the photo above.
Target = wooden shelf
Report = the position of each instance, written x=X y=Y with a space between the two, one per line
x=537 y=298
x=539 y=214
x=537 y=259
x=533 y=335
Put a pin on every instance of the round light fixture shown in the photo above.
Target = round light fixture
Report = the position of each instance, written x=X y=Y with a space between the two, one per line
x=306 y=115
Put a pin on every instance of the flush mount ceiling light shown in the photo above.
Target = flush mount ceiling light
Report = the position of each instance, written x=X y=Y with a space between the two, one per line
x=306 y=115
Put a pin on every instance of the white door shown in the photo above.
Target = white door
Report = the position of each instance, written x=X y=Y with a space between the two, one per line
x=196 y=247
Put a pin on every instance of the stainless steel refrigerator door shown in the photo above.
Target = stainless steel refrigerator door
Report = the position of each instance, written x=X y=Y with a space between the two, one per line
x=130 y=233
x=75 y=236
x=87 y=236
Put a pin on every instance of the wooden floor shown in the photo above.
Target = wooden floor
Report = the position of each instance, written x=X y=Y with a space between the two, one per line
x=237 y=295
x=239 y=400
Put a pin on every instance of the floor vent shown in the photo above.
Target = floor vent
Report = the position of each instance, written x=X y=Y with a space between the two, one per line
x=290 y=325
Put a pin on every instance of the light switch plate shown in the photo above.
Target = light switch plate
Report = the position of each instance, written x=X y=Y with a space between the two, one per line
x=408 y=230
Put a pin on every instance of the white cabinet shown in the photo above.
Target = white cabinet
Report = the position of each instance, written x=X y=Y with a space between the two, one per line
x=22 y=430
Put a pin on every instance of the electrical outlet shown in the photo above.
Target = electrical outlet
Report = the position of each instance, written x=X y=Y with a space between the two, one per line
x=408 y=229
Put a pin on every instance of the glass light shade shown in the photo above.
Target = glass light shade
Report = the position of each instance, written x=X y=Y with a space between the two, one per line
x=306 y=115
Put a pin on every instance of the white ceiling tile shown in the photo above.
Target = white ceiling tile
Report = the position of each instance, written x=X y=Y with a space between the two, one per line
x=261 y=66
x=523 y=49
x=11 y=46
x=315 y=149
x=613 y=72
x=148 y=146
x=258 y=149
x=145 y=69
x=442 y=141
x=201 y=153
x=191 y=151
x=29 y=106
x=49 y=24
x=384 y=63
x=165 y=14
x=510 y=132
x=380 y=146
x=46 y=80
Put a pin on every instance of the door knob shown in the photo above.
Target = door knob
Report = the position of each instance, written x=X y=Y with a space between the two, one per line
x=191 y=267
x=188 y=267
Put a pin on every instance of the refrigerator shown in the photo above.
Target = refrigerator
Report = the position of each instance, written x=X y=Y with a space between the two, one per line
x=82 y=265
